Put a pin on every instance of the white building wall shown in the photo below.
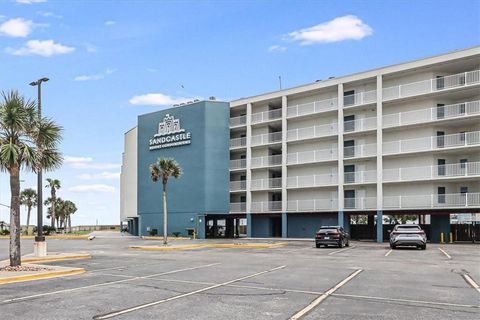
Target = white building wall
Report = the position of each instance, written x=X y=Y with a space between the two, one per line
x=128 y=177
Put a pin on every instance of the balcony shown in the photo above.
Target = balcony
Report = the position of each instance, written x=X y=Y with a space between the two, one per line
x=454 y=170
x=456 y=140
x=238 y=121
x=360 y=98
x=432 y=201
x=312 y=205
x=267 y=206
x=360 y=151
x=238 y=142
x=369 y=176
x=240 y=185
x=359 y=125
x=266 y=161
x=238 y=206
x=458 y=110
x=266 y=138
x=312 y=156
x=311 y=181
x=266 y=116
x=360 y=203
x=459 y=80
x=238 y=164
x=312 y=132
x=265 y=184
x=312 y=107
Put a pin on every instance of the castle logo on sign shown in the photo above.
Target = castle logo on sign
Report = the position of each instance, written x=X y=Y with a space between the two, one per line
x=170 y=134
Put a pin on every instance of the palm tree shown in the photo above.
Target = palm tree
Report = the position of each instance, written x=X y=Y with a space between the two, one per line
x=69 y=209
x=54 y=185
x=162 y=169
x=26 y=142
x=28 y=198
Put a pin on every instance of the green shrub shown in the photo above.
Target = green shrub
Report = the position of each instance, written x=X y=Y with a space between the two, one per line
x=176 y=234
x=153 y=232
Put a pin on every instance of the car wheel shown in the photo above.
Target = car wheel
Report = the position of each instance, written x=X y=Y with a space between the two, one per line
x=340 y=244
x=392 y=246
x=347 y=244
x=424 y=247
x=317 y=245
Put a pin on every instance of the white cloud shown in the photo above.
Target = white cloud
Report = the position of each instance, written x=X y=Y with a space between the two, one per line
x=105 y=175
x=88 y=163
x=48 y=14
x=110 y=23
x=30 y=1
x=97 y=76
x=45 y=48
x=92 y=188
x=342 y=28
x=159 y=99
x=277 y=48
x=17 y=27
x=153 y=70
x=90 y=48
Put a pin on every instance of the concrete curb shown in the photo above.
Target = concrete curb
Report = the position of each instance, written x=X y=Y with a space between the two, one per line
x=52 y=258
x=161 y=238
x=45 y=275
x=213 y=245
x=79 y=237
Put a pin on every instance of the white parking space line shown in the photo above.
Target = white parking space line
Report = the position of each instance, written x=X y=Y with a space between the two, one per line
x=106 y=283
x=338 y=251
x=471 y=282
x=446 y=254
x=388 y=253
x=146 y=305
x=300 y=314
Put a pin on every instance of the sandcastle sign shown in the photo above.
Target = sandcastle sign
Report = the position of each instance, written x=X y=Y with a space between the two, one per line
x=170 y=134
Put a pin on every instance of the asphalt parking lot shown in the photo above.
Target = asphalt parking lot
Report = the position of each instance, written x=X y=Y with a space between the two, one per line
x=363 y=281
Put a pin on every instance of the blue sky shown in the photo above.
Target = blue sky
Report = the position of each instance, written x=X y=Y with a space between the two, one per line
x=110 y=61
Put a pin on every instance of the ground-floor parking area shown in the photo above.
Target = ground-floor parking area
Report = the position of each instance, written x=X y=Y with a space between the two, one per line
x=298 y=281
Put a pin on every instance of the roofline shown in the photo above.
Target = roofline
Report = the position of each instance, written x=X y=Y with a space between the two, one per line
x=183 y=105
x=398 y=67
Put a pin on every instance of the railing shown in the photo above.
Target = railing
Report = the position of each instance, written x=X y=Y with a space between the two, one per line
x=312 y=205
x=360 y=98
x=361 y=203
x=312 y=180
x=312 y=107
x=266 y=161
x=312 y=156
x=238 y=164
x=360 y=176
x=432 y=85
x=264 y=184
x=360 y=125
x=238 y=142
x=457 y=110
x=453 y=200
x=238 y=121
x=266 y=206
x=312 y=132
x=362 y=150
x=266 y=116
x=238 y=206
x=266 y=138
x=432 y=143
x=467 y=169
x=240 y=185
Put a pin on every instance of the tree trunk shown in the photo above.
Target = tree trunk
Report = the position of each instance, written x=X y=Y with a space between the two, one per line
x=69 y=224
x=28 y=216
x=164 y=212
x=15 y=255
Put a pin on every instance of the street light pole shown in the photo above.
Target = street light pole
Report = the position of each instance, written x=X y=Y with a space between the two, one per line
x=39 y=237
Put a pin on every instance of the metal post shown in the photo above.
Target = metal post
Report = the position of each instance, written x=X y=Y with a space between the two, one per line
x=39 y=237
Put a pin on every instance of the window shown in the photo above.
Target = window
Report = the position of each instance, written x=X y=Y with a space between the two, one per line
x=349 y=148
x=441 y=194
x=349 y=173
x=349 y=98
x=441 y=167
x=349 y=123
x=440 y=82
x=440 y=110
x=462 y=108
x=462 y=136
x=463 y=190
x=440 y=139
x=349 y=199
x=463 y=163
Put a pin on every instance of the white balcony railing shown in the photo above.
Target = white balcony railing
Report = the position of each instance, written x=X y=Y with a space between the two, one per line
x=360 y=125
x=432 y=85
x=238 y=121
x=266 y=116
x=468 y=169
x=360 y=98
x=312 y=156
x=457 y=110
x=238 y=164
x=360 y=177
x=359 y=151
x=317 y=180
x=360 y=203
x=238 y=142
x=238 y=206
x=312 y=132
x=453 y=200
x=312 y=205
x=312 y=107
x=266 y=161
x=265 y=184
x=266 y=206
x=266 y=138
x=240 y=185
x=462 y=139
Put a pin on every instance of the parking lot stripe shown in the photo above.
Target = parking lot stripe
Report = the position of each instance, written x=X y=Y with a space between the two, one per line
x=300 y=314
x=471 y=282
x=150 y=304
x=338 y=251
x=446 y=254
x=388 y=253
x=106 y=283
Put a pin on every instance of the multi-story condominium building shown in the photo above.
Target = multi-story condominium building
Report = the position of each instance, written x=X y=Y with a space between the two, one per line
x=402 y=139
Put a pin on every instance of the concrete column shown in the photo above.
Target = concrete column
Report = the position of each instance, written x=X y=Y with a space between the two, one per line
x=341 y=219
x=379 y=226
x=249 y=225
x=340 y=150
x=201 y=226
x=439 y=223
x=379 y=143
x=284 y=225
x=284 y=156
x=249 y=158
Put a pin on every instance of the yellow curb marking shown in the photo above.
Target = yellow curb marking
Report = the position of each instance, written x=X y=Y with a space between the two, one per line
x=47 y=259
x=47 y=275
x=471 y=282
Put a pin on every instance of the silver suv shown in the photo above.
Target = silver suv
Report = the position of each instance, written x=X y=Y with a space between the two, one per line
x=408 y=235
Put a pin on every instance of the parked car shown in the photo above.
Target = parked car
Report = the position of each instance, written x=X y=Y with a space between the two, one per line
x=331 y=235
x=408 y=235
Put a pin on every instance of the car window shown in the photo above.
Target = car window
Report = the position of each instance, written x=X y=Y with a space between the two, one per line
x=406 y=227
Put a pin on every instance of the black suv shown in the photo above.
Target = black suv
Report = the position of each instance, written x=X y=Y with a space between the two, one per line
x=331 y=235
